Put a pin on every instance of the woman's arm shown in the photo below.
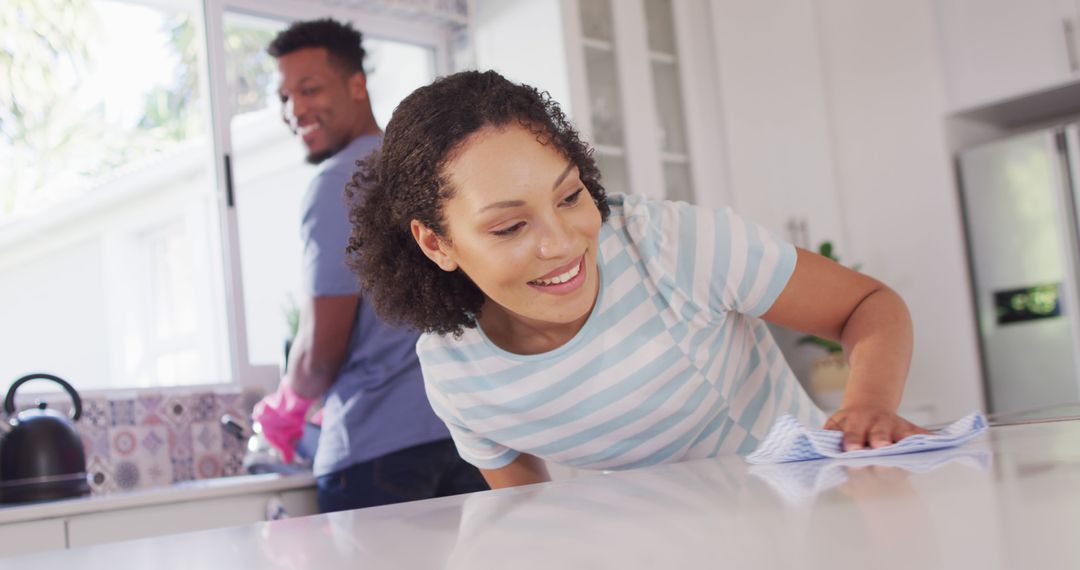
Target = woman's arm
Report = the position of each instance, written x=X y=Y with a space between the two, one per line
x=872 y=323
x=524 y=470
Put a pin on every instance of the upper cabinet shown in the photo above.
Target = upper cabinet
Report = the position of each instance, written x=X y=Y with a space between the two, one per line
x=775 y=113
x=995 y=50
x=636 y=77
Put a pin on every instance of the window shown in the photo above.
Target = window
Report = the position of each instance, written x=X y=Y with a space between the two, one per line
x=109 y=253
x=121 y=265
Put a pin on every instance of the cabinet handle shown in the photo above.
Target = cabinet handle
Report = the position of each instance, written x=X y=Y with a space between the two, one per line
x=1070 y=44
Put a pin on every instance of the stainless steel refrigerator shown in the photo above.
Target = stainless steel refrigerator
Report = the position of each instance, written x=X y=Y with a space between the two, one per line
x=1020 y=200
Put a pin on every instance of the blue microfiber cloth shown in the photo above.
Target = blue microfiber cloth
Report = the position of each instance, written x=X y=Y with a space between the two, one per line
x=789 y=440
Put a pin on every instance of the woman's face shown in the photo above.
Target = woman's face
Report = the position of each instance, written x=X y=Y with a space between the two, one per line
x=523 y=227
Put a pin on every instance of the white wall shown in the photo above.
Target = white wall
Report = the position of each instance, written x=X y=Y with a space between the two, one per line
x=523 y=40
x=887 y=102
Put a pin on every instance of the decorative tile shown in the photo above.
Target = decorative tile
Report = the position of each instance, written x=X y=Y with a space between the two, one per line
x=123 y=412
x=180 y=443
x=208 y=466
x=148 y=408
x=124 y=442
x=100 y=476
x=160 y=438
x=96 y=412
x=204 y=408
x=152 y=440
x=206 y=438
x=183 y=470
x=232 y=464
x=95 y=440
x=127 y=475
x=230 y=403
x=156 y=471
x=176 y=410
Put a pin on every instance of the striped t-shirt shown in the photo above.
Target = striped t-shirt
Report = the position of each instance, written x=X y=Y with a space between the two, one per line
x=672 y=363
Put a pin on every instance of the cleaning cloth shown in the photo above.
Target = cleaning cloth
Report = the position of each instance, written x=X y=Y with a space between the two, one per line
x=789 y=440
x=797 y=483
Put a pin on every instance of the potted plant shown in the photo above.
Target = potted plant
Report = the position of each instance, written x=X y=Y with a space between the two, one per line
x=829 y=372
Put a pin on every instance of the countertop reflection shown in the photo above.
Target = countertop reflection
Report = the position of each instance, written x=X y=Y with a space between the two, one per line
x=1009 y=499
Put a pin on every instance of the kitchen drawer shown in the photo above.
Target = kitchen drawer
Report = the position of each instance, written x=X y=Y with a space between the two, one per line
x=157 y=520
x=299 y=502
x=32 y=536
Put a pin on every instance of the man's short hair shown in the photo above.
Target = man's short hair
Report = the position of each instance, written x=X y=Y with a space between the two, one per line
x=343 y=43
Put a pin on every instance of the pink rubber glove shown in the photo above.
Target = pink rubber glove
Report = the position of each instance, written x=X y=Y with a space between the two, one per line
x=281 y=415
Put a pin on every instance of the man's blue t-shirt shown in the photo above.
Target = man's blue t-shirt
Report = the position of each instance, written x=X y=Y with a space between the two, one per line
x=377 y=404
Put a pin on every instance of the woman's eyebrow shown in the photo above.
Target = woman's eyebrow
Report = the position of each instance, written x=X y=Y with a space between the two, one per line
x=563 y=176
x=503 y=204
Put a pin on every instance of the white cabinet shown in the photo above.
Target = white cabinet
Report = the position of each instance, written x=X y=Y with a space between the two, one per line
x=998 y=49
x=88 y=522
x=171 y=518
x=158 y=520
x=637 y=78
x=31 y=536
x=776 y=118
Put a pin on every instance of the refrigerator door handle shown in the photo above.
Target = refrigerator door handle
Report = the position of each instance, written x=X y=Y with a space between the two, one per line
x=1068 y=143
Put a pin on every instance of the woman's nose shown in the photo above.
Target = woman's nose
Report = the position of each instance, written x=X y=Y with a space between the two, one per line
x=556 y=240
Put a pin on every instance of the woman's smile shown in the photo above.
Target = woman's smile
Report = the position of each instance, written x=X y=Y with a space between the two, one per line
x=563 y=280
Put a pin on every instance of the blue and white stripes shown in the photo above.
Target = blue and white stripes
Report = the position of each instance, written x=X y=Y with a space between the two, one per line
x=671 y=365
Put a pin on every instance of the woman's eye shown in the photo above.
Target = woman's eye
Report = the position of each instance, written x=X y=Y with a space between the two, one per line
x=510 y=230
x=573 y=198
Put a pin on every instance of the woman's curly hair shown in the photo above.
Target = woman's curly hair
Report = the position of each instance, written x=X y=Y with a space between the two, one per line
x=406 y=180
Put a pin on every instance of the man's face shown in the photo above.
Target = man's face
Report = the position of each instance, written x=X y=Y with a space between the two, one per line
x=320 y=102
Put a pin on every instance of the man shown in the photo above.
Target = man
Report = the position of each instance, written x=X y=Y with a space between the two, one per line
x=380 y=441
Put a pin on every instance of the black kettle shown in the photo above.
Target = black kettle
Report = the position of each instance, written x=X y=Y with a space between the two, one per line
x=41 y=455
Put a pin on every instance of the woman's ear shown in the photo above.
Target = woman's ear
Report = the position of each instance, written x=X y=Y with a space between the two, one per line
x=432 y=245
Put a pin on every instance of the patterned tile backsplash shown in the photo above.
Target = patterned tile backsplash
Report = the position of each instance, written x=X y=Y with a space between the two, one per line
x=153 y=439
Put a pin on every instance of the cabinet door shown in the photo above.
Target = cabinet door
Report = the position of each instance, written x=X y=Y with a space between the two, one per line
x=997 y=49
x=158 y=520
x=33 y=536
x=776 y=119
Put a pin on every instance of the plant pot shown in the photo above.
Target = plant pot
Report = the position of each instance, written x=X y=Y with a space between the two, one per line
x=828 y=379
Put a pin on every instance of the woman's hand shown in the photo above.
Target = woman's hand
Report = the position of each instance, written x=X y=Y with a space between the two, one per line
x=866 y=426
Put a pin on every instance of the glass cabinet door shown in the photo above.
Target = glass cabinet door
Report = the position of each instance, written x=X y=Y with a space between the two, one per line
x=605 y=100
x=667 y=87
x=638 y=123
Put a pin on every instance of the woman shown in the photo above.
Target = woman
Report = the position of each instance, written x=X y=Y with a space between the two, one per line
x=597 y=332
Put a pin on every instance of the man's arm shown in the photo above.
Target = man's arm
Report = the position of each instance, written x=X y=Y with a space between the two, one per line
x=524 y=470
x=321 y=344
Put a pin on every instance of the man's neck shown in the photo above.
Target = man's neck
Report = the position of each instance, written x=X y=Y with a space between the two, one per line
x=367 y=127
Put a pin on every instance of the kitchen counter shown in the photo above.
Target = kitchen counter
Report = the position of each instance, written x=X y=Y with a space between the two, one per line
x=188 y=491
x=1008 y=500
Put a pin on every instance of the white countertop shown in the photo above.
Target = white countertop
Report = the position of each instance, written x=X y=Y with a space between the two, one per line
x=1008 y=500
x=188 y=491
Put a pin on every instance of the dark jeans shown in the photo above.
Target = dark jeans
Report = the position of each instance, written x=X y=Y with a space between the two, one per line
x=420 y=472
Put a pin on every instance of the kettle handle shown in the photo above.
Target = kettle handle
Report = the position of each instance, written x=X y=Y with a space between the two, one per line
x=76 y=410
